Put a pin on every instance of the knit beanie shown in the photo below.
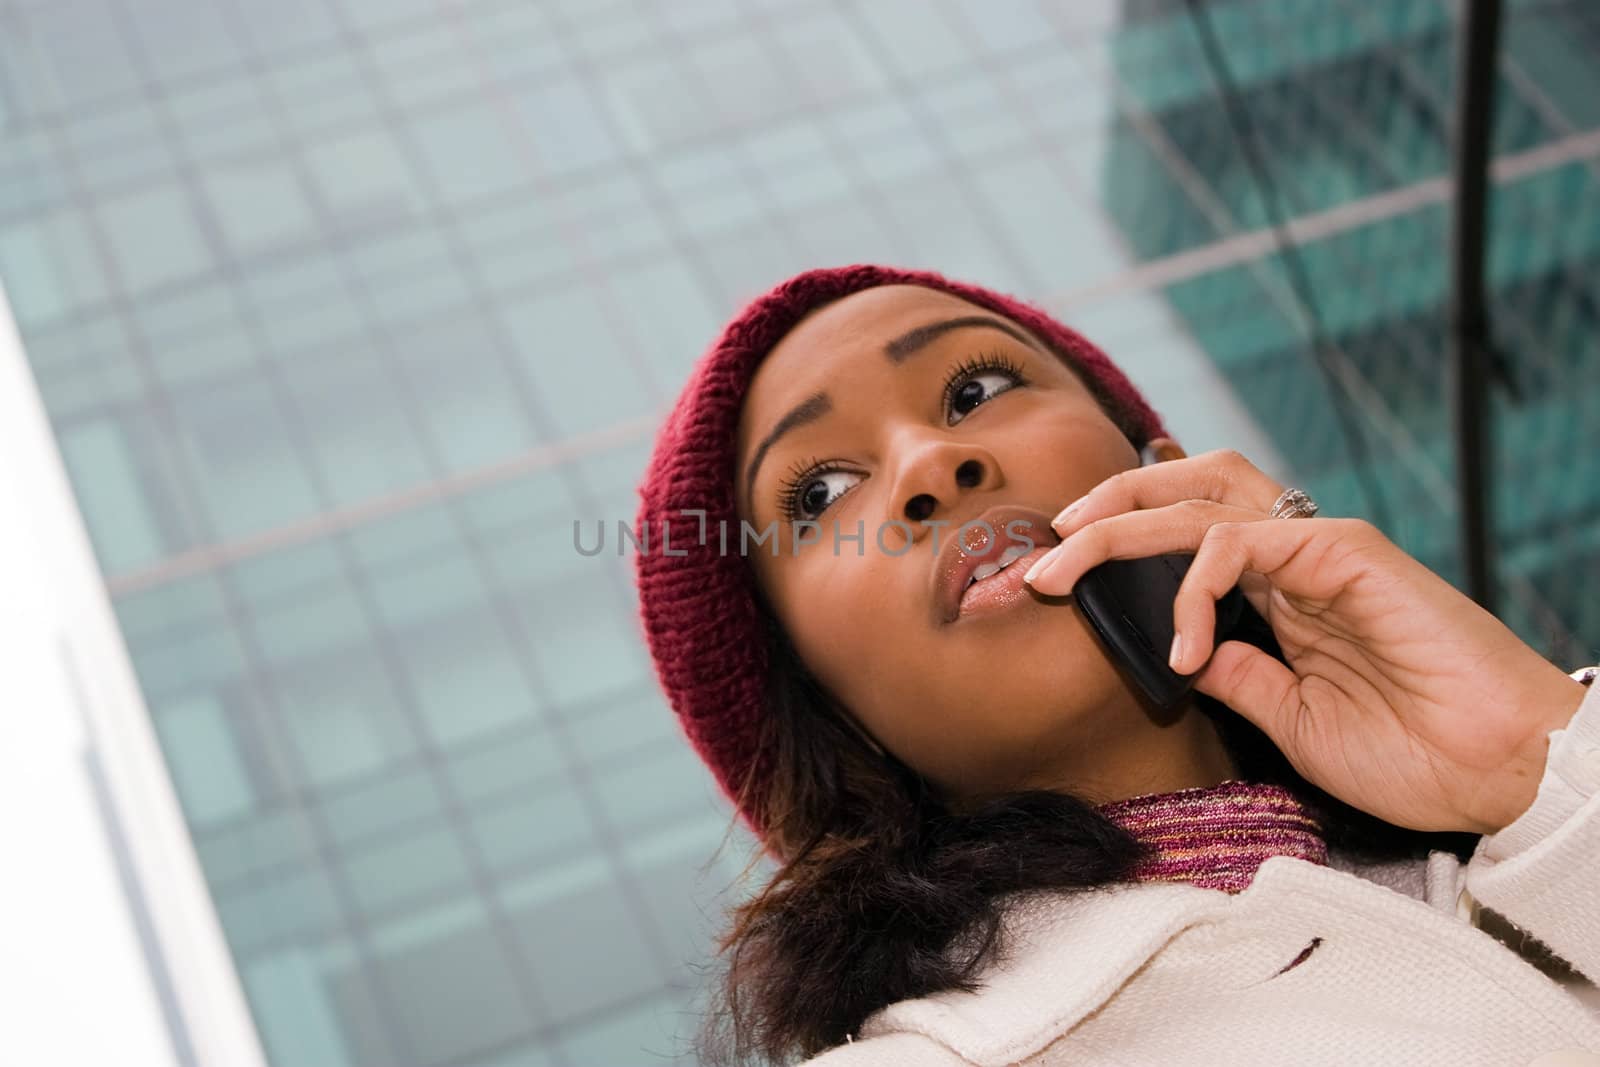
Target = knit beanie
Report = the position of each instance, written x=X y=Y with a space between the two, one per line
x=698 y=603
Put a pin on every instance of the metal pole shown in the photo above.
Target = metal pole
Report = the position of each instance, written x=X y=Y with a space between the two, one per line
x=1475 y=87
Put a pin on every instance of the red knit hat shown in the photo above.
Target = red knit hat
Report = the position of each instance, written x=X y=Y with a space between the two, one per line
x=699 y=609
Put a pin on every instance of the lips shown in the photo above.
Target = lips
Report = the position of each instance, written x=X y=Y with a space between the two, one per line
x=988 y=552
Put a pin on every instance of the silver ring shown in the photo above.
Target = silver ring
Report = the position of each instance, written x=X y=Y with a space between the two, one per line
x=1292 y=504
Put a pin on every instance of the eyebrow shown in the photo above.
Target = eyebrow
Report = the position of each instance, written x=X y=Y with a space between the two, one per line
x=810 y=409
x=911 y=342
x=896 y=351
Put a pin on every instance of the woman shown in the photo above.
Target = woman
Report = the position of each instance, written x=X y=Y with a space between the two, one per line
x=991 y=849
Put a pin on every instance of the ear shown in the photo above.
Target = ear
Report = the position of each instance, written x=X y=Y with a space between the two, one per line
x=1160 y=449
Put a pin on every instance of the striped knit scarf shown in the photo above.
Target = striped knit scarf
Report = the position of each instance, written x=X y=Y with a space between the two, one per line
x=1217 y=836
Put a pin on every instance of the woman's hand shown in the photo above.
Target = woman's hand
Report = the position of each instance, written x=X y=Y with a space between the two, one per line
x=1401 y=697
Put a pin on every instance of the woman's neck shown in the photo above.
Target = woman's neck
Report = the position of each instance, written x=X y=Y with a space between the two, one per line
x=1142 y=752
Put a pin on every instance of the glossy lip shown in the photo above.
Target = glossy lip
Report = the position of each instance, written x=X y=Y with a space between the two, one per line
x=952 y=567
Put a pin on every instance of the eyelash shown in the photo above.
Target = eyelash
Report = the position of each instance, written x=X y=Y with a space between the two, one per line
x=973 y=366
x=802 y=473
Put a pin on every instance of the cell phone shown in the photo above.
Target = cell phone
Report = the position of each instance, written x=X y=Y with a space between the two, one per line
x=1129 y=603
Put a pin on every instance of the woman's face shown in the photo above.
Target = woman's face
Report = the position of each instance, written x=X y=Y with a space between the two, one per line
x=868 y=417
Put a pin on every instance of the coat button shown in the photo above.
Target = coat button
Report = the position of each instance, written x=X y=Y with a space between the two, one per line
x=1567 y=1057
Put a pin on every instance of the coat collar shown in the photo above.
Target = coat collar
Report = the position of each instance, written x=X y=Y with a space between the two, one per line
x=1070 y=952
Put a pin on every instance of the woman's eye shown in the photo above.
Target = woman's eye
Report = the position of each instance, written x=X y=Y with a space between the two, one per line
x=976 y=390
x=811 y=496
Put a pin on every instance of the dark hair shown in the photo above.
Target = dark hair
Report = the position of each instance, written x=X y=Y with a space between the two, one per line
x=884 y=893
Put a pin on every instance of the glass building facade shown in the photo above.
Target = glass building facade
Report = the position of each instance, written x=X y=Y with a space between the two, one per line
x=343 y=311
x=1352 y=108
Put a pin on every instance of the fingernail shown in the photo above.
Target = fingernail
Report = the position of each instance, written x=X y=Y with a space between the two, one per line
x=1066 y=512
x=1040 y=564
x=1176 y=655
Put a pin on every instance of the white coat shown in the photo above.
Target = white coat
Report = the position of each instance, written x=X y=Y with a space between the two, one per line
x=1401 y=961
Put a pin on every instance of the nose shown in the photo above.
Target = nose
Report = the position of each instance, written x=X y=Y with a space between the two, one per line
x=936 y=474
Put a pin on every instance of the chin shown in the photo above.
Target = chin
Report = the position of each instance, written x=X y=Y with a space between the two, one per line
x=1054 y=631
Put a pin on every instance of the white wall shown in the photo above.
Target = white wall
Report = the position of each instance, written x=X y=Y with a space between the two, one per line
x=89 y=973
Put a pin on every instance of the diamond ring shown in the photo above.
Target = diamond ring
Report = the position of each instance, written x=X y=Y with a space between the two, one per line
x=1293 y=504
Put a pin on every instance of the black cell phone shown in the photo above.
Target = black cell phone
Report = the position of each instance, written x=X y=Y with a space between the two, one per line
x=1129 y=603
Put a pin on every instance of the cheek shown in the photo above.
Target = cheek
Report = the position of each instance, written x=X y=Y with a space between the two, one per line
x=847 y=615
x=860 y=625
x=1063 y=455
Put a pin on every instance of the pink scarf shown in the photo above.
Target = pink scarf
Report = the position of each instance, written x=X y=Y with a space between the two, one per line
x=1217 y=836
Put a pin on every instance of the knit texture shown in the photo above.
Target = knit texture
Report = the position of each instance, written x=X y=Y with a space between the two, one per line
x=1217 y=836
x=698 y=607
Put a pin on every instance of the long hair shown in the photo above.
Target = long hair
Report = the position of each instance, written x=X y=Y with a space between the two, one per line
x=884 y=893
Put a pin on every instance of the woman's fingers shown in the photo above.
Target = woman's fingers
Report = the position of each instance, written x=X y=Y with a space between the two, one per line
x=1226 y=551
x=1239 y=540
x=1257 y=590
x=1304 y=558
x=1256 y=685
x=1223 y=476
x=1176 y=527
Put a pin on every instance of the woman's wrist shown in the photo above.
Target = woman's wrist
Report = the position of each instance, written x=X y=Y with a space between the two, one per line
x=1550 y=705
